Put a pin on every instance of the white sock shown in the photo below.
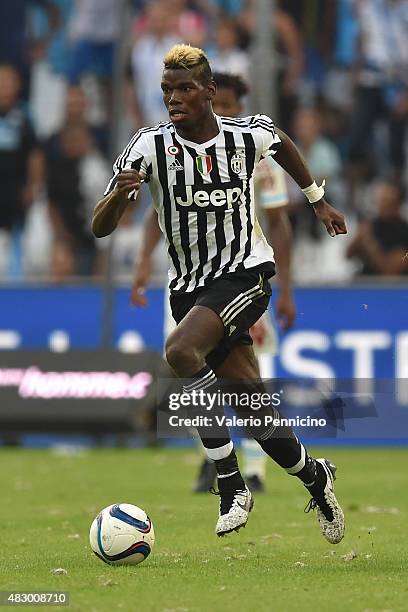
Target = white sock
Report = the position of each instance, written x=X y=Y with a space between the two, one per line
x=219 y=453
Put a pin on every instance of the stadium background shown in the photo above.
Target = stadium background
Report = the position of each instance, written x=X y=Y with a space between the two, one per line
x=333 y=73
x=89 y=73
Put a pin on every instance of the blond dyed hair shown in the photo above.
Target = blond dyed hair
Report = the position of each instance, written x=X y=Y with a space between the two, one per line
x=185 y=57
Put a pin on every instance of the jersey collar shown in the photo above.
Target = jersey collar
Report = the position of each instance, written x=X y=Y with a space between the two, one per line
x=204 y=145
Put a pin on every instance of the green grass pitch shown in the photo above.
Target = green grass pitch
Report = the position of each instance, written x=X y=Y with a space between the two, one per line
x=280 y=562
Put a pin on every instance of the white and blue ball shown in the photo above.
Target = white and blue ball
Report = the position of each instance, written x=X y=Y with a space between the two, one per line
x=122 y=534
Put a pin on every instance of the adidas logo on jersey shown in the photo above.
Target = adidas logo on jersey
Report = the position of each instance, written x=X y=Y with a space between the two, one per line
x=175 y=165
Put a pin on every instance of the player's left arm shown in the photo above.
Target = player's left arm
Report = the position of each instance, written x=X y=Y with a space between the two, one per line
x=290 y=159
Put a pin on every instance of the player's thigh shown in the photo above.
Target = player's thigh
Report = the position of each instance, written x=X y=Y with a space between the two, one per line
x=240 y=364
x=201 y=329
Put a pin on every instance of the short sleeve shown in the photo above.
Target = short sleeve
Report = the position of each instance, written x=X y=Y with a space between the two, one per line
x=270 y=140
x=135 y=155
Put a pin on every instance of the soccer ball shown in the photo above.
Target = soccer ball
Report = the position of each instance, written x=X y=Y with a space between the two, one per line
x=122 y=534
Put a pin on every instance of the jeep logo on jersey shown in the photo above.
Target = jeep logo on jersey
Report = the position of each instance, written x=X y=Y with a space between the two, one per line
x=237 y=163
x=204 y=164
x=209 y=197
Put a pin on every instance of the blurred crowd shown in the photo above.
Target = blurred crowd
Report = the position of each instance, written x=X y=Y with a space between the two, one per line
x=341 y=86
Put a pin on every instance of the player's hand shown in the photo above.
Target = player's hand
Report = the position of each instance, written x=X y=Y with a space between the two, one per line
x=128 y=181
x=285 y=309
x=140 y=281
x=330 y=217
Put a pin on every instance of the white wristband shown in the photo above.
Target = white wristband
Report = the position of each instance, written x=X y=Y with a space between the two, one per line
x=314 y=193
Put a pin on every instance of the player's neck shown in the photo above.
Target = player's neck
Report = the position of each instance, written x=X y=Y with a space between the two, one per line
x=202 y=132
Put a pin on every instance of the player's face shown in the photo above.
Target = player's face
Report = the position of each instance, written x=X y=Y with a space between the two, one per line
x=226 y=103
x=186 y=100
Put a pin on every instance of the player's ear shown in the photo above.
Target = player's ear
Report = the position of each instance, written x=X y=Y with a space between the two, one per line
x=211 y=90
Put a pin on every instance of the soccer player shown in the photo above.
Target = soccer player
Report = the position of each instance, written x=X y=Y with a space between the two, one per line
x=271 y=200
x=199 y=167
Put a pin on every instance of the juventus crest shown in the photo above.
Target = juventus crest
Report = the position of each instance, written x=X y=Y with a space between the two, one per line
x=237 y=163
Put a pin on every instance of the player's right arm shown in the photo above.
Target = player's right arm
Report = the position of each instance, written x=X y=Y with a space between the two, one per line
x=129 y=171
x=109 y=210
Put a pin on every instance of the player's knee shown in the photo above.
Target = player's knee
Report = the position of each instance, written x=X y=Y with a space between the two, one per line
x=181 y=356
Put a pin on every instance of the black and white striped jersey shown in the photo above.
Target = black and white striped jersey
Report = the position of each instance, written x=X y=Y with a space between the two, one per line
x=204 y=196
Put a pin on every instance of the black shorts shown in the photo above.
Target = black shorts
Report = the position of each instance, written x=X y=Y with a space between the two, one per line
x=239 y=299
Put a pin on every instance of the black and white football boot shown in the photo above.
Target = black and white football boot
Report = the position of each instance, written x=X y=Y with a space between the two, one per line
x=235 y=506
x=329 y=513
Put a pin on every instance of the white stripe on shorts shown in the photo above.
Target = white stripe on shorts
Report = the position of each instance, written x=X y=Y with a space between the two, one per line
x=242 y=298
x=242 y=306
